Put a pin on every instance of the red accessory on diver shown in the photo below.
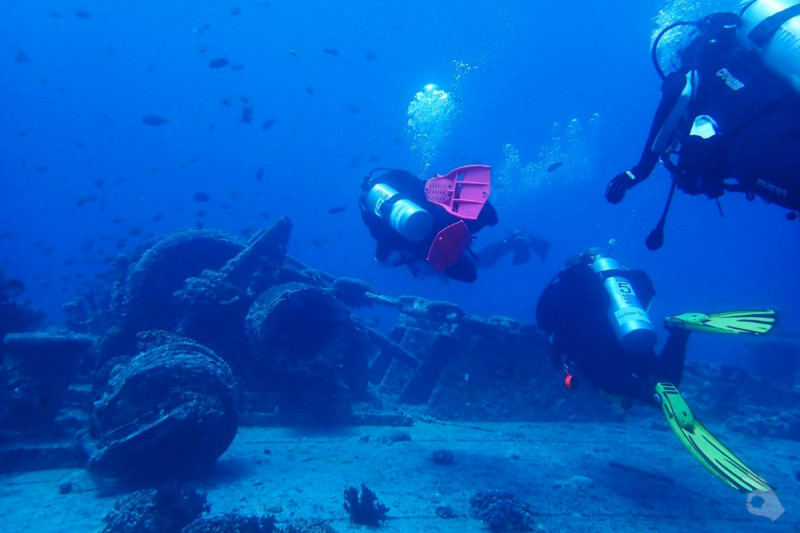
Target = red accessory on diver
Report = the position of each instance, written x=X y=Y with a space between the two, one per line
x=568 y=382
x=448 y=246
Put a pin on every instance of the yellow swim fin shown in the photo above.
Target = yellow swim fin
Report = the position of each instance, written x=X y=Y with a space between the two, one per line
x=708 y=451
x=727 y=323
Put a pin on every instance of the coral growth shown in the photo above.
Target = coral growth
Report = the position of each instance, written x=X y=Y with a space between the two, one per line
x=167 y=509
x=502 y=511
x=232 y=523
x=366 y=509
x=443 y=457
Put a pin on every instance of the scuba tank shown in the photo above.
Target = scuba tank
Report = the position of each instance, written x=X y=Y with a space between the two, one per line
x=772 y=28
x=404 y=216
x=629 y=320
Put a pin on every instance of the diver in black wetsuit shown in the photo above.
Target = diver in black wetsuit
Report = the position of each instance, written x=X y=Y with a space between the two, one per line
x=594 y=311
x=408 y=227
x=733 y=121
x=518 y=244
x=607 y=345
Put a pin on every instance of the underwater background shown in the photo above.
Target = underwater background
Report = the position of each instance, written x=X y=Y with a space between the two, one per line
x=126 y=121
x=328 y=85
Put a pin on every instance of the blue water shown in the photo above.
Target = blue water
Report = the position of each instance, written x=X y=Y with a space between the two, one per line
x=84 y=179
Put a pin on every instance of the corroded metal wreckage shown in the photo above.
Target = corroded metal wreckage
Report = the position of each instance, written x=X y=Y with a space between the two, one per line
x=206 y=331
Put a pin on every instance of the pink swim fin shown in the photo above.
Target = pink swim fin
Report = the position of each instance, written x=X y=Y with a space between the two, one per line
x=462 y=192
x=448 y=246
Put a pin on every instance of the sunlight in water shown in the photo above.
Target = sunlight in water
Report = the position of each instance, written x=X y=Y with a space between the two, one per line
x=430 y=116
x=567 y=157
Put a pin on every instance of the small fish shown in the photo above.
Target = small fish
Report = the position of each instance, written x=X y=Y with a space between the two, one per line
x=247 y=114
x=14 y=285
x=201 y=213
x=202 y=49
x=154 y=120
x=555 y=166
x=267 y=124
x=157 y=217
x=236 y=11
x=86 y=199
x=201 y=197
x=369 y=56
x=218 y=62
x=294 y=53
x=226 y=100
x=21 y=58
x=82 y=14
x=791 y=215
x=260 y=174
x=55 y=14
x=310 y=91
x=331 y=51
x=202 y=28
x=336 y=209
x=237 y=66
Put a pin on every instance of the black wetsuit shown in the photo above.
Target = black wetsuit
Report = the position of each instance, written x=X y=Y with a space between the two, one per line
x=758 y=122
x=518 y=244
x=389 y=241
x=574 y=310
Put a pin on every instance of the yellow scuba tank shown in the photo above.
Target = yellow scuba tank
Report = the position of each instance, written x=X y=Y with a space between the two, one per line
x=404 y=216
x=772 y=28
x=628 y=318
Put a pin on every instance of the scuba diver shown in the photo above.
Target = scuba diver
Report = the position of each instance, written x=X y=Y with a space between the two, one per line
x=595 y=313
x=730 y=111
x=518 y=244
x=431 y=222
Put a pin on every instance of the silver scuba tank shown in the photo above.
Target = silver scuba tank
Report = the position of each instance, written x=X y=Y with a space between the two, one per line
x=772 y=27
x=629 y=320
x=404 y=216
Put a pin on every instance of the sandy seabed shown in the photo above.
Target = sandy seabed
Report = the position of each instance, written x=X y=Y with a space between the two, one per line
x=623 y=477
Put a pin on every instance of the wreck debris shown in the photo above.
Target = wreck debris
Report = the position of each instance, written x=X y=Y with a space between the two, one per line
x=167 y=413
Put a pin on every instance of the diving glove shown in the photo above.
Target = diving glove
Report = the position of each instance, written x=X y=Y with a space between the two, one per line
x=619 y=185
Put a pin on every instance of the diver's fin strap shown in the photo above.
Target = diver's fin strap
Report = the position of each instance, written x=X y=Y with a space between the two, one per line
x=461 y=192
x=765 y=29
x=703 y=446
